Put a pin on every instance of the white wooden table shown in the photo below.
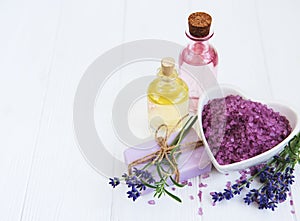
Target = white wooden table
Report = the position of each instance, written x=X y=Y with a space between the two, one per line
x=46 y=46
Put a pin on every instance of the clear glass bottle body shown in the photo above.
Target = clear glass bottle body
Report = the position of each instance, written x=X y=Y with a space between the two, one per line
x=198 y=63
x=168 y=100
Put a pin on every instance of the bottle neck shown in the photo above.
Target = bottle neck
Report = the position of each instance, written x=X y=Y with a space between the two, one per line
x=198 y=45
x=198 y=52
x=166 y=78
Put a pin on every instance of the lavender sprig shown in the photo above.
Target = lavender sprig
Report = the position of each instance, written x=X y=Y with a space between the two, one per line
x=140 y=179
x=134 y=181
x=275 y=177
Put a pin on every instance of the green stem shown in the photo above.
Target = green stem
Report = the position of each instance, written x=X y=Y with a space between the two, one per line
x=175 y=141
x=147 y=165
x=183 y=133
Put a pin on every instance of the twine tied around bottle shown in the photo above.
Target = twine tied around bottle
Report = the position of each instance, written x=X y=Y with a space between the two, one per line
x=165 y=150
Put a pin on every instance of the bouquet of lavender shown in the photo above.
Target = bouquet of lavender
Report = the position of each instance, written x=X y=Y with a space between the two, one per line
x=275 y=177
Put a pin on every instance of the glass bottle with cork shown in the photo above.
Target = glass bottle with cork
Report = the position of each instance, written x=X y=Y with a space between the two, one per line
x=198 y=60
x=168 y=97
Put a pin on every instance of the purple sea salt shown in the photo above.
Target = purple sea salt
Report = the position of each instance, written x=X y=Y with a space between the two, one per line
x=200 y=196
x=202 y=185
x=237 y=129
x=204 y=176
x=151 y=202
x=228 y=185
x=185 y=182
x=243 y=174
x=200 y=211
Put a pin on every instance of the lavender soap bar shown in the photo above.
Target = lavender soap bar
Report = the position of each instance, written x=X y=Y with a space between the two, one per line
x=192 y=162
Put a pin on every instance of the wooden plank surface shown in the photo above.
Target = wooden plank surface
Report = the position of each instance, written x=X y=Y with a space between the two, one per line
x=45 y=49
x=27 y=46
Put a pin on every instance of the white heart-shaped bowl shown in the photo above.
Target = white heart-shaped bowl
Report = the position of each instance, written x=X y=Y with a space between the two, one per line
x=224 y=90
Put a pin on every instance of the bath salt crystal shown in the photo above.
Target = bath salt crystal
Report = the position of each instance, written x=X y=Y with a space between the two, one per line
x=204 y=176
x=202 y=185
x=200 y=211
x=185 y=182
x=151 y=202
x=228 y=185
x=200 y=196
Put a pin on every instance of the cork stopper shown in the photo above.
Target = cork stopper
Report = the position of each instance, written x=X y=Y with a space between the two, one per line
x=167 y=66
x=199 y=24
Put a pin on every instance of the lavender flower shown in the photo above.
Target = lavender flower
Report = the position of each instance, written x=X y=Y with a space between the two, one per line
x=134 y=193
x=135 y=182
x=275 y=178
x=144 y=175
x=273 y=190
x=251 y=196
x=114 y=182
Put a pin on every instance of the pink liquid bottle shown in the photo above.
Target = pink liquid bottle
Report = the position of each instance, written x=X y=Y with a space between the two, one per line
x=198 y=60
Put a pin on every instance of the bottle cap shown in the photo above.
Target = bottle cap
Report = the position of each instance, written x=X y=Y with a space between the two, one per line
x=199 y=24
x=167 y=66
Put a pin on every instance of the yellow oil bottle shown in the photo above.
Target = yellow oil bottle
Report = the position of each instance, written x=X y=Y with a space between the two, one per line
x=168 y=97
